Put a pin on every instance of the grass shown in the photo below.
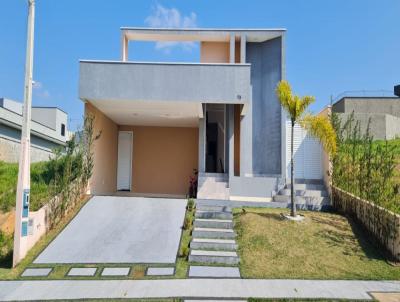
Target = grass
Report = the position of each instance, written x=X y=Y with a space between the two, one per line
x=40 y=189
x=324 y=246
x=306 y=300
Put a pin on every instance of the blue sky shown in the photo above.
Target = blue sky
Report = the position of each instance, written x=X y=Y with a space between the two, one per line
x=332 y=45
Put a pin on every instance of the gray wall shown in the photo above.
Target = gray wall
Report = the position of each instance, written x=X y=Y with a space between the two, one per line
x=369 y=105
x=383 y=112
x=266 y=72
x=203 y=83
x=10 y=146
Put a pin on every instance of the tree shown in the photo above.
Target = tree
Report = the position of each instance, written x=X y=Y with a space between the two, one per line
x=318 y=126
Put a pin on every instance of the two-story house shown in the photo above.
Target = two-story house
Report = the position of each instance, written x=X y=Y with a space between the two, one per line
x=159 y=121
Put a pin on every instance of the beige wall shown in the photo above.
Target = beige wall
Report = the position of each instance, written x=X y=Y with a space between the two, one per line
x=214 y=52
x=163 y=158
x=326 y=162
x=105 y=149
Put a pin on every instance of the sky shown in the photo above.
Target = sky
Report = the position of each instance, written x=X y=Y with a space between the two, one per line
x=332 y=46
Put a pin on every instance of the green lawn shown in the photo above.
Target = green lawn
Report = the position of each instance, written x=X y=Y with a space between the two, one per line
x=40 y=189
x=324 y=246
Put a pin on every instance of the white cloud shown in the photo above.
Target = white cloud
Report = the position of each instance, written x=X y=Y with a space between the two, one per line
x=39 y=90
x=162 y=17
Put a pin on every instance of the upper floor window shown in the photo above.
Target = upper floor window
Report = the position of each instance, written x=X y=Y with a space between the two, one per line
x=62 y=129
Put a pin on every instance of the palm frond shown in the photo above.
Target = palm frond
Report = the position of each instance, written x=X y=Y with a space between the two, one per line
x=321 y=128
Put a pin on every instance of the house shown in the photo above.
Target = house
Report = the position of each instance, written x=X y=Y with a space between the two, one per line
x=48 y=131
x=220 y=116
x=382 y=112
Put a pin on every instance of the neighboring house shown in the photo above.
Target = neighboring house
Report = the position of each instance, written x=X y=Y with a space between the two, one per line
x=221 y=116
x=48 y=131
x=384 y=113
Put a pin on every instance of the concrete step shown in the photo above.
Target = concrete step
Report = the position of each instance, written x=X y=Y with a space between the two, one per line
x=213 y=244
x=213 y=233
x=213 y=272
x=210 y=208
x=213 y=215
x=213 y=300
x=299 y=199
x=308 y=181
x=213 y=223
x=299 y=186
x=314 y=193
x=221 y=257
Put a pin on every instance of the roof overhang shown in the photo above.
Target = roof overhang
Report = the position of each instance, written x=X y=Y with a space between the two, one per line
x=155 y=113
x=199 y=34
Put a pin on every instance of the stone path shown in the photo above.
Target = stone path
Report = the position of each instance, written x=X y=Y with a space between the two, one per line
x=213 y=243
x=192 y=289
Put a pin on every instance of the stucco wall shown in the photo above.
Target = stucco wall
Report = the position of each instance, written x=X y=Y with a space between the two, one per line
x=163 y=158
x=105 y=149
x=214 y=52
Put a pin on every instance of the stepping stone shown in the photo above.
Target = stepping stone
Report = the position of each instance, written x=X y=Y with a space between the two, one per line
x=213 y=244
x=209 y=208
x=82 y=271
x=215 y=300
x=115 y=271
x=213 y=215
x=214 y=271
x=36 y=272
x=160 y=271
x=221 y=257
x=213 y=223
x=213 y=233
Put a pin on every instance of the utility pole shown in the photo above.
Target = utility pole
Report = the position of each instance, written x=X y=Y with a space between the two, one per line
x=24 y=183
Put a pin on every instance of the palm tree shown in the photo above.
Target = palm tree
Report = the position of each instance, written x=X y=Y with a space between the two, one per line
x=318 y=126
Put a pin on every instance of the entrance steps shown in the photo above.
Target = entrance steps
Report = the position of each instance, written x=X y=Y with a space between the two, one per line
x=213 y=186
x=213 y=243
x=310 y=194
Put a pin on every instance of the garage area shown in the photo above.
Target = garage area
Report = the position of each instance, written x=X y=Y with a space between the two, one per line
x=111 y=229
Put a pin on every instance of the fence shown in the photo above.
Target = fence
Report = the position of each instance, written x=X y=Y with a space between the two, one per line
x=382 y=224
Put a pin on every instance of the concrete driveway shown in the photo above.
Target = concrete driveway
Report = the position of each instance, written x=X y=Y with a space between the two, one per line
x=111 y=229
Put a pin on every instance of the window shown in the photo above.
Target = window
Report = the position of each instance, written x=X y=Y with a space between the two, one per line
x=62 y=129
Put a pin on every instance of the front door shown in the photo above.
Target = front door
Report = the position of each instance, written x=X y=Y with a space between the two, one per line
x=124 y=171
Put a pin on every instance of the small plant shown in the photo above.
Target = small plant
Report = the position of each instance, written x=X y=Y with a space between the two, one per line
x=193 y=184
x=187 y=223
x=184 y=252
x=190 y=204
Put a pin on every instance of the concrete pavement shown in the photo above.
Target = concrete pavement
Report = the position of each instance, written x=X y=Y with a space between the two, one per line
x=192 y=288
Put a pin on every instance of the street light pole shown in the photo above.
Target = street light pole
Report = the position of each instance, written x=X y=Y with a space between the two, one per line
x=23 y=186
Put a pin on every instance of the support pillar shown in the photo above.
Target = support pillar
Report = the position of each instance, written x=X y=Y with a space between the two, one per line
x=243 y=49
x=124 y=48
x=232 y=48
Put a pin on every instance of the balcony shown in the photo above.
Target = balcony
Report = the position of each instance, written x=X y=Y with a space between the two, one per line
x=164 y=82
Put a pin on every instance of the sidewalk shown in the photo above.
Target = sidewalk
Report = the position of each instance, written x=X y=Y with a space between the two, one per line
x=192 y=288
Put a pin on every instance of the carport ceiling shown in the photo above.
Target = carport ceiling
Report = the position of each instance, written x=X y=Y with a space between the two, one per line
x=151 y=113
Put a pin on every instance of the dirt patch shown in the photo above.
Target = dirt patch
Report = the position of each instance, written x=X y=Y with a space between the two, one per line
x=7 y=222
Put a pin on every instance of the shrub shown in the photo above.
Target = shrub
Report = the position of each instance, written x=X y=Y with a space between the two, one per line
x=184 y=252
x=190 y=204
x=187 y=223
x=364 y=167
